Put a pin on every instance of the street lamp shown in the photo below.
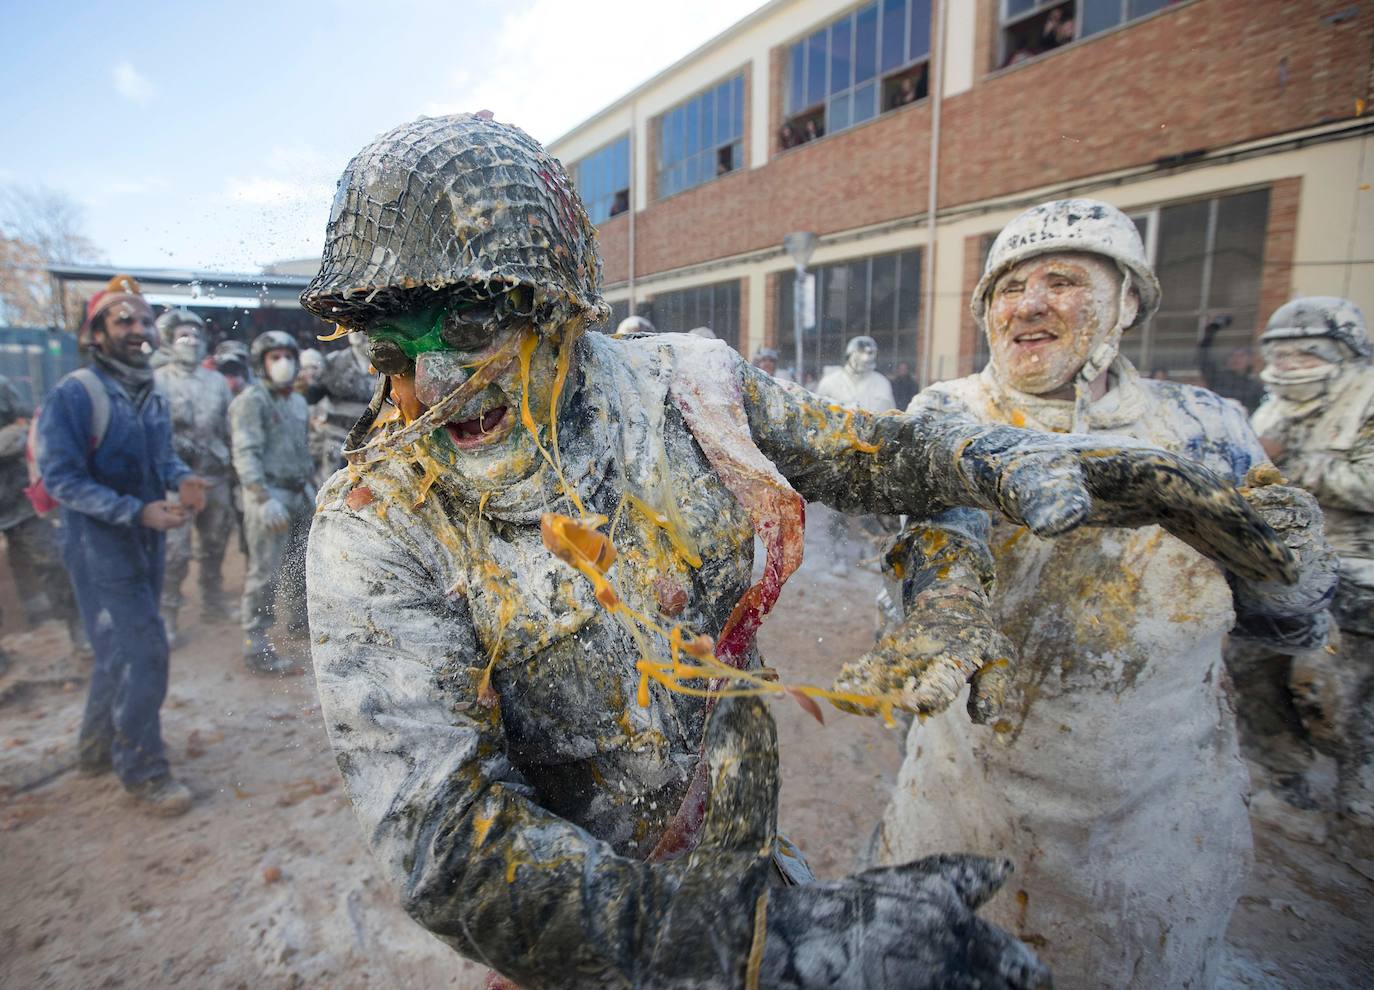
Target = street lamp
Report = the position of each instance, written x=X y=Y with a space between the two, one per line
x=799 y=246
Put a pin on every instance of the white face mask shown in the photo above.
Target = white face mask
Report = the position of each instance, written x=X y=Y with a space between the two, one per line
x=863 y=360
x=1300 y=384
x=282 y=371
x=187 y=351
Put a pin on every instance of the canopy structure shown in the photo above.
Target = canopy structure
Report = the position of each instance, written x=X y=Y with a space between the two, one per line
x=234 y=305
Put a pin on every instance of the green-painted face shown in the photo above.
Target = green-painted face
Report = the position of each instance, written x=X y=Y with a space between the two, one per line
x=431 y=352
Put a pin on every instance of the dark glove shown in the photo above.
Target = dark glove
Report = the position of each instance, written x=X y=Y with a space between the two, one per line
x=909 y=927
x=1289 y=618
x=1052 y=483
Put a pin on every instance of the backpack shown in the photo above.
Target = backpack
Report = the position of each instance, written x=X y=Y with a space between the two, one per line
x=37 y=492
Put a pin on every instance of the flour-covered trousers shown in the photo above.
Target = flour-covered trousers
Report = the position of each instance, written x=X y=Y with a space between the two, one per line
x=212 y=526
x=275 y=559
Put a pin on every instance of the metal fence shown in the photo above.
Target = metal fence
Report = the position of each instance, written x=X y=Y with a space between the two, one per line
x=33 y=359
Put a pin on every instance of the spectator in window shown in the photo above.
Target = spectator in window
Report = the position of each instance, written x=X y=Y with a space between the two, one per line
x=813 y=130
x=787 y=137
x=621 y=203
x=904 y=387
x=1236 y=379
x=1058 y=29
x=906 y=93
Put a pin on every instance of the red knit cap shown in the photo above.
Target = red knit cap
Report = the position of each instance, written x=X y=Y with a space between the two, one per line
x=121 y=288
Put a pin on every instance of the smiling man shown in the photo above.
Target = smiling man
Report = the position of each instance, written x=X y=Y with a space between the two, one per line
x=106 y=456
x=1111 y=777
x=551 y=787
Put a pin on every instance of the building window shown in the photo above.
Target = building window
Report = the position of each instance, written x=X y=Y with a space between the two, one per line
x=603 y=180
x=701 y=138
x=879 y=296
x=863 y=64
x=1034 y=27
x=715 y=306
x=1209 y=256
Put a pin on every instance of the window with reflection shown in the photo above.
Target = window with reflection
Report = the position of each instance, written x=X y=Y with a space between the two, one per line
x=701 y=138
x=863 y=64
x=878 y=295
x=715 y=306
x=603 y=180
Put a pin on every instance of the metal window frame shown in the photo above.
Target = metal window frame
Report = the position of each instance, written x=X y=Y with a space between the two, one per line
x=715 y=295
x=609 y=194
x=701 y=154
x=893 y=337
x=879 y=77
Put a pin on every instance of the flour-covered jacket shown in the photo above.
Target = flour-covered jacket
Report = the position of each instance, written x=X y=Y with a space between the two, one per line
x=1112 y=778
x=269 y=439
x=871 y=391
x=1328 y=448
x=199 y=400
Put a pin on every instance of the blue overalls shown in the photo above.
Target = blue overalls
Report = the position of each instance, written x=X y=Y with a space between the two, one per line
x=115 y=562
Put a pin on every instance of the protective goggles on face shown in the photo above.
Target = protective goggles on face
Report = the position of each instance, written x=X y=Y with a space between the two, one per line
x=1321 y=348
x=465 y=325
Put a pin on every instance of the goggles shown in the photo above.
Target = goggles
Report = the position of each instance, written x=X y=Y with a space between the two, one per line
x=461 y=325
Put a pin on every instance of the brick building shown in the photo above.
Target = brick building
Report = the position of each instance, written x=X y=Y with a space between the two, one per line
x=1233 y=131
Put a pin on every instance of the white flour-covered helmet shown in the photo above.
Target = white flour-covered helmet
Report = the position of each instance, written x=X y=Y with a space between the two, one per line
x=1330 y=317
x=168 y=322
x=1070 y=225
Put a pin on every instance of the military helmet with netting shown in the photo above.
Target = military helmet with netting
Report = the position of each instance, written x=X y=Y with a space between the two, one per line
x=459 y=205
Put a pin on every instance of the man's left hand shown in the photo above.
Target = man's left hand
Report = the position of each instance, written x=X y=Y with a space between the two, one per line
x=192 y=492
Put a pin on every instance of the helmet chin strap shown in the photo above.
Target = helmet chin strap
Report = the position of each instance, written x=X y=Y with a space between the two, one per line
x=1100 y=356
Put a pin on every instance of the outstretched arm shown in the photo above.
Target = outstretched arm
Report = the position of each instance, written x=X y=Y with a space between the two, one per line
x=933 y=460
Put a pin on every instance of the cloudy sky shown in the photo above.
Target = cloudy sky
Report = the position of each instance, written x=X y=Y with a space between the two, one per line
x=211 y=135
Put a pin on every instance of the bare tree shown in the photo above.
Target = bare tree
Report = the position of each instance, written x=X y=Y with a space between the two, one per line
x=38 y=227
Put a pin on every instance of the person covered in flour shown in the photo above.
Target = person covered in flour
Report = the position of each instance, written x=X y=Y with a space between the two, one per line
x=858 y=382
x=535 y=519
x=1318 y=427
x=1111 y=775
x=199 y=399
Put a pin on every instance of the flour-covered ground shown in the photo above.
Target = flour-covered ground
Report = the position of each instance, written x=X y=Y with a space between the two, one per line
x=266 y=883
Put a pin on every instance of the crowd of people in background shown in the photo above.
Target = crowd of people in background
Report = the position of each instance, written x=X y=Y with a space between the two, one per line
x=158 y=452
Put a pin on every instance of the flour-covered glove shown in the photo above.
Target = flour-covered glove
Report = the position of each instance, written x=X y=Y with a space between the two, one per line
x=909 y=927
x=1288 y=618
x=947 y=640
x=948 y=636
x=1054 y=482
x=274 y=516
